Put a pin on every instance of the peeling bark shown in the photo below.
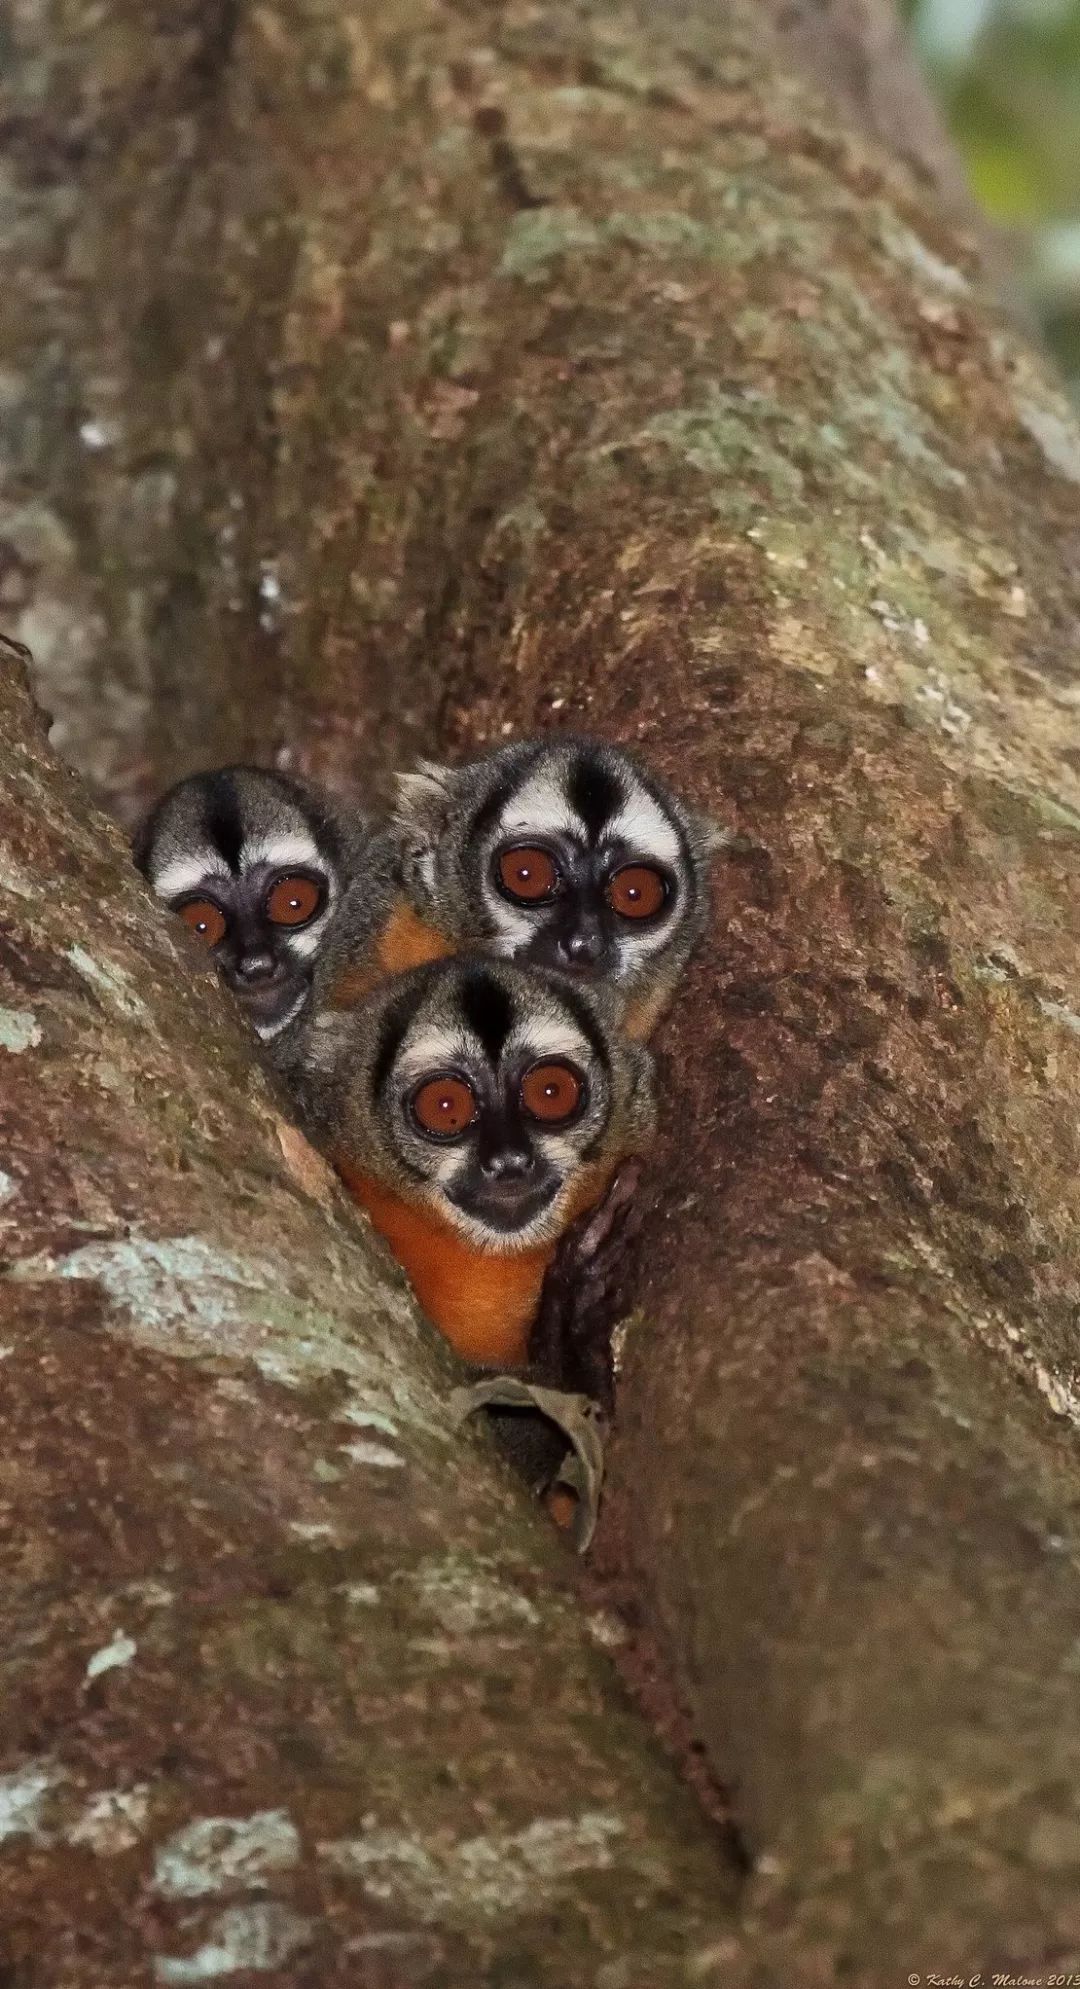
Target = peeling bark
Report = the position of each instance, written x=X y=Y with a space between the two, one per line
x=591 y=372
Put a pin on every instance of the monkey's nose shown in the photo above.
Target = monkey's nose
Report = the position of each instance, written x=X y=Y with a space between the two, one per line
x=583 y=947
x=254 y=967
x=507 y=1163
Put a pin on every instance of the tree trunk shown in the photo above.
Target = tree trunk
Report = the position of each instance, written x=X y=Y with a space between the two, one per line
x=463 y=369
x=292 y=1681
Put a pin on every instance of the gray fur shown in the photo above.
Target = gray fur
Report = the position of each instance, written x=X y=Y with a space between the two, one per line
x=446 y=867
x=355 y=1110
x=226 y=835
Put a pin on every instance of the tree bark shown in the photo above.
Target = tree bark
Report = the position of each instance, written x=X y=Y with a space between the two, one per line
x=529 y=365
x=292 y=1680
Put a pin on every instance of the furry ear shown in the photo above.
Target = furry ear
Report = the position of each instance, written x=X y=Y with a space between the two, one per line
x=423 y=800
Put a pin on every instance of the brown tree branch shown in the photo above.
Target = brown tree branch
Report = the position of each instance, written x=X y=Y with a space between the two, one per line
x=292 y=1680
x=598 y=376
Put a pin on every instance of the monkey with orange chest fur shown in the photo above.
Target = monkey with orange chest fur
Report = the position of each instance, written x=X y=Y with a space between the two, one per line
x=561 y=853
x=475 y=1110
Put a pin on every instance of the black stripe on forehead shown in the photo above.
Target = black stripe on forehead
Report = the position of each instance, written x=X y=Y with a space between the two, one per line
x=583 y=1015
x=490 y=810
x=222 y=819
x=595 y=793
x=488 y=1010
x=392 y=1032
x=316 y=817
x=502 y=792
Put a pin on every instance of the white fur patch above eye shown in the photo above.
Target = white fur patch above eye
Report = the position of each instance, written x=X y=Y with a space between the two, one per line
x=648 y=831
x=191 y=873
x=282 y=852
x=436 y=1049
x=540 y=807
x=541 y=1042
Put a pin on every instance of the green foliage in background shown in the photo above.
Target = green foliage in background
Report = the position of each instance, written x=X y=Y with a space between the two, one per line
x=1008 y=72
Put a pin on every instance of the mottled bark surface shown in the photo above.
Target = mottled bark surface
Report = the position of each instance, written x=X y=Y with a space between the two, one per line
x=501 y=366
x=291 y=1680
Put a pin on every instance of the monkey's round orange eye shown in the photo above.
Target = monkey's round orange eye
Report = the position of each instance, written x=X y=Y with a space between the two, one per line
x=637 y=891
x=527 y=874
x=293 y=900
x=444 y=1107
x=206 y=920
x=552 y=1092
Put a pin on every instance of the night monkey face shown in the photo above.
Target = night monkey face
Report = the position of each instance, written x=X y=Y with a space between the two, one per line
x=254 y=864
x=484 y=1091
x=563 y=854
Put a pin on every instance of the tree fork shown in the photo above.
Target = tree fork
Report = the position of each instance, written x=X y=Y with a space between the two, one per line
x=292 y=1679
x=537 y=365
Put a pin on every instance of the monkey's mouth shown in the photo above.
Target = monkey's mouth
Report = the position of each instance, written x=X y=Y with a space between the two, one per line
x=507 y=1206
x=543 y=951
x=270 y=1003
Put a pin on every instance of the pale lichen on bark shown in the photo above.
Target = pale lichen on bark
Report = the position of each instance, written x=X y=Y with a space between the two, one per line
x=543 y=365
x=290 y=1681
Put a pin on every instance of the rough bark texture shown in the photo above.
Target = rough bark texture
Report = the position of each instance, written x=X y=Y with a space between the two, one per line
x=455 y=368
x=292 y=1681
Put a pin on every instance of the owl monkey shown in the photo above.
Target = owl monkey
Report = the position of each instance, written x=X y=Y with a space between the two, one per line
x=561 y=853
x=256 y=864
x=475 y=1109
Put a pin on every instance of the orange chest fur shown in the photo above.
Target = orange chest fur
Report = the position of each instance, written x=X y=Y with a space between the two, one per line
x=483 y=1301
x=404 y=942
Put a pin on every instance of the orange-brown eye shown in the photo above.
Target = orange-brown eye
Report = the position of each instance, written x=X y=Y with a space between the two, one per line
x=637 y=891
x=527 y=874
x=552 y=1092
x=293 y=900
x=444 y=1107
x=206 y=921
